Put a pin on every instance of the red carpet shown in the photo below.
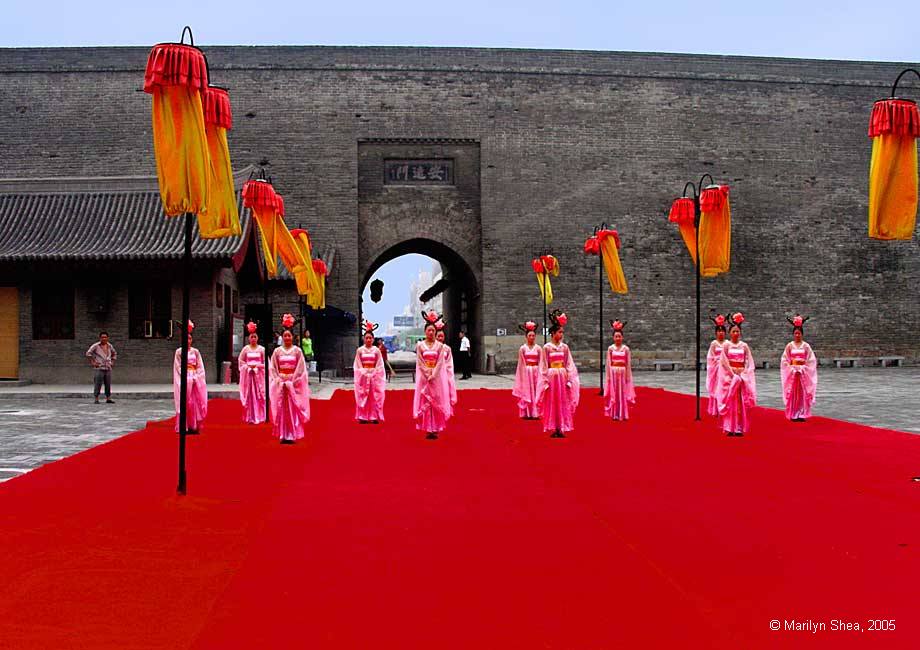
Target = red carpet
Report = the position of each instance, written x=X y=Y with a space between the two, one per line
x=659 y=532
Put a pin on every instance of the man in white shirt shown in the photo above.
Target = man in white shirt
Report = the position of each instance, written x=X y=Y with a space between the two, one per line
x=465 y=358
x=101 y=357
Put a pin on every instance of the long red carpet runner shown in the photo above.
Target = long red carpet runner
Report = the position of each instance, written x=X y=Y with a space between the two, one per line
x=656 y=533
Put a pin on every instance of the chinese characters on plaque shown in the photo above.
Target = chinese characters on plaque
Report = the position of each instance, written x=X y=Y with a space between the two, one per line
x=418 y=172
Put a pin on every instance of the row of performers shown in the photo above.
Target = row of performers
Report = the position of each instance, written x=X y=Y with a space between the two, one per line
x=546 y=382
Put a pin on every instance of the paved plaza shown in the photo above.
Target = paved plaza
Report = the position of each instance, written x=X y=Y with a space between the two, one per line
x=43 y=423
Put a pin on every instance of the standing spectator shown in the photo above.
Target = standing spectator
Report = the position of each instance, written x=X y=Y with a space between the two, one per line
x=306 y=345
x=278 y=341
x=386 y=358
x=101 y=356
x=465 y=357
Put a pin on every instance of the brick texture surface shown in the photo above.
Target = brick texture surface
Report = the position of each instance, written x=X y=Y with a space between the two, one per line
x=562 y=141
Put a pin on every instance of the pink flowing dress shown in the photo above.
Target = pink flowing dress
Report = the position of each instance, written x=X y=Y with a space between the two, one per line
x=737 y=393
x=799 y=374
x=196 y=389
x=451 y=377
x=252 y=383
x=289 y=392
x=619 y=391
x=527 y=381
x=559 y=388
x=713 y=367
x=431 y=407
x=370 y=384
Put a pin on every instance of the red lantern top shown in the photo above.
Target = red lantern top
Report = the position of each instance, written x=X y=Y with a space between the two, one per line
x=682 y=211
x=604 y=234
x=713 y=198
x=537 y=265
x=549 y=262
x=217 y=107
x=319 y=266
x=258 y=193
x=175 y=64
x=279 y=205
x=896 y=117
x=592 y=246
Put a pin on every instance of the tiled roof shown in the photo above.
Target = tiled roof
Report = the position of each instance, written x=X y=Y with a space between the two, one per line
x=99 y=219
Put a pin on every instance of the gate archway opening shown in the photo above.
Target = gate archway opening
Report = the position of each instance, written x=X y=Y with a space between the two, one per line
x=457 y=288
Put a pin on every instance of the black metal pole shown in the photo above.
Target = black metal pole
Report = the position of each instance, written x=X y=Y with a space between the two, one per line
x=600 y=319
x=183 y=370
x=268 y=313
x=696 y=221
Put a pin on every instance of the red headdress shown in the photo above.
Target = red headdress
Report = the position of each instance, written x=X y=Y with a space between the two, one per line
x=191 y=326
x=798 y=322
x=527 y=327
x=288 y=321
x=559 y=320
x=618 y=325
x=370 y=328
x=737 y=319
x=431 y=317
x=440 y=325
x=251 y=327
x=718 y=321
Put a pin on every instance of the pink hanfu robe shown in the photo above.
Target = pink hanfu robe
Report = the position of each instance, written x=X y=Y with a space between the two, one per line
x=737 y=392
x=251 y=363
x=196 y=409
x=370 y=384
x=431 y=405
x=290 y=393
x=451 y=377
x=560 y=388
x=527 y=381
x=799 y=374
x=713 y=367
x=619 y=391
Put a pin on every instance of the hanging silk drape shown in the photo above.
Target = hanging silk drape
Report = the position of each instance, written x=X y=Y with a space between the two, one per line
x=176 y=77
x=317 y=300
x=608 y=247
x=551 y=266
x=287 y=248
x=894 y=128
x=682 y=213
x=260 y=197
x=221 y=217
x=307 y=282
x=715 y=231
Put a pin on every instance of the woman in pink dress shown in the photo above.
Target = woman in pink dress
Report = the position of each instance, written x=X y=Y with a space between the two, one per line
x=619 y=391
x=370 y=379
x=196 y=387
x=431 y=406
x=441 y=337
x=559 y=385
x=799 y=373
x=738 y=387
x=251 y=363
x=290 y=387
x=713 y=365
x=527 y=377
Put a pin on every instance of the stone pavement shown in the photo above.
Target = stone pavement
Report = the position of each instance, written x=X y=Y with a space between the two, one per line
x=36 y=428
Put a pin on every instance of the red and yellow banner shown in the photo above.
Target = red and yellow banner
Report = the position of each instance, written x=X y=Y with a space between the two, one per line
x=894 y=128
x=220 y=218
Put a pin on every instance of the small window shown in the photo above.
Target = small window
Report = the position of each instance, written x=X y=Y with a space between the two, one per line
x=150 y=311
x=52 y=311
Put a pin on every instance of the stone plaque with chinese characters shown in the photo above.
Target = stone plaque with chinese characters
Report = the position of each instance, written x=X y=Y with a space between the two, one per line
x=418 y=172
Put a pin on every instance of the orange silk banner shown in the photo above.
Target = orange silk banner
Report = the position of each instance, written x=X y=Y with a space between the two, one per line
x=609 y=245
x=307 y=282
x=894 y=128
x=176 y=76
x=221 y=217
x=682 y=213
x=715 y=231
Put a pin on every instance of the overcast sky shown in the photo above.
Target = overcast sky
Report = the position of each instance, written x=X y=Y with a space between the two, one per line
x=879 y=30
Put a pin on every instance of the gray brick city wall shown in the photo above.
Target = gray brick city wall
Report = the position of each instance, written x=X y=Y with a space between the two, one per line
x=566 y=140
